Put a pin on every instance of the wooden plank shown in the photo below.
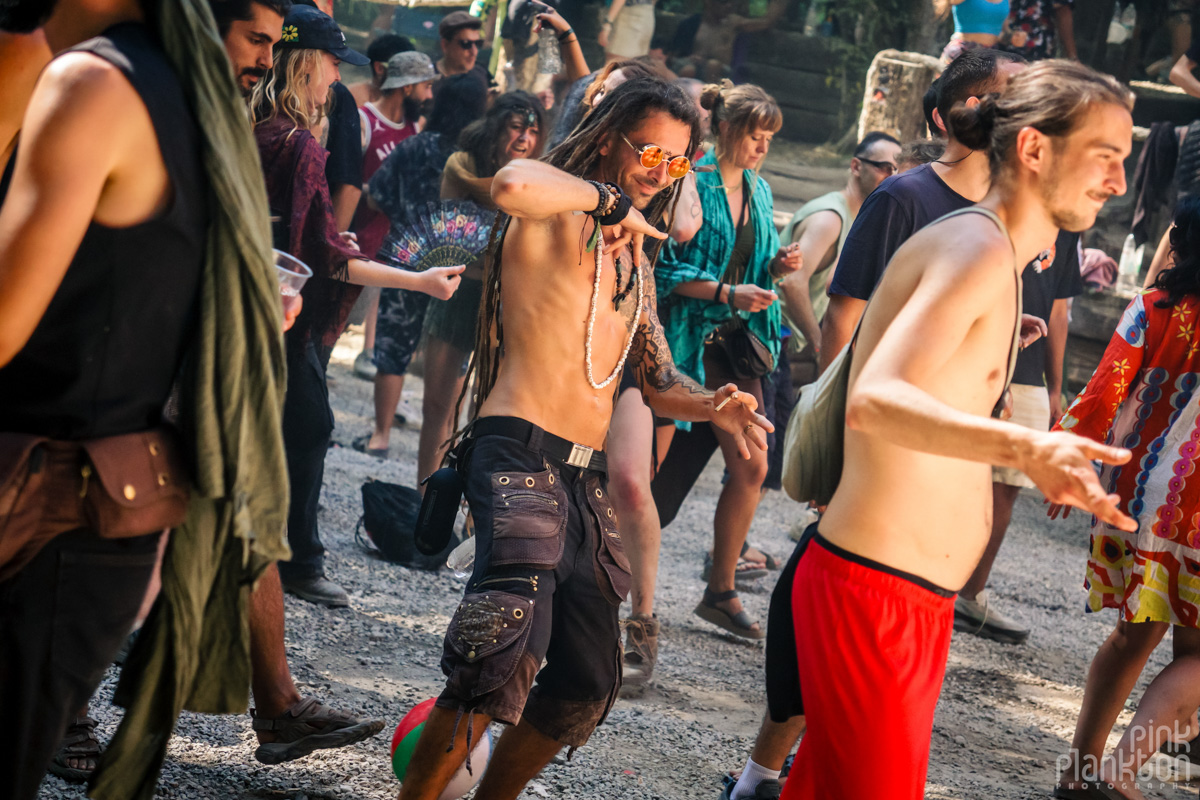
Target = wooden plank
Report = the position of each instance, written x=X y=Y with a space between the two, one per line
x=801 y=125
x=795 y=50
x=807 y=90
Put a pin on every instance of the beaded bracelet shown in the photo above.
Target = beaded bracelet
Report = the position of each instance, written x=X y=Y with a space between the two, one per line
x=605 y=199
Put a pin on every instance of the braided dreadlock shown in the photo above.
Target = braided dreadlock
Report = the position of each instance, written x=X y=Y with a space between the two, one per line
x=621 y=110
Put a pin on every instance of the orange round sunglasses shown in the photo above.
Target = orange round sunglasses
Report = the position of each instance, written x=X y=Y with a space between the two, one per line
x=652 y=155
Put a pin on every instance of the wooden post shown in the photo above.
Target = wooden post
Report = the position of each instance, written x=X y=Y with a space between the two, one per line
x=895 y=87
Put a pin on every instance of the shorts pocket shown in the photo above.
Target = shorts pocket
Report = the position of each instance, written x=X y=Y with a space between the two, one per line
x=611 y=557
x=529 y=518
x=485 y=642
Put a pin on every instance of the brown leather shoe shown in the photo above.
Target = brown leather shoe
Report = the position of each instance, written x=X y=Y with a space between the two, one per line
x=641 y=650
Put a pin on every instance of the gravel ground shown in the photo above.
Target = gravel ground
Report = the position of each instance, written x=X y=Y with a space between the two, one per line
x=1006 y=713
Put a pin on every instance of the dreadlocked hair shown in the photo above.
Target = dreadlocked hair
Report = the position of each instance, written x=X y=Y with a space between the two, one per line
x=621 y=111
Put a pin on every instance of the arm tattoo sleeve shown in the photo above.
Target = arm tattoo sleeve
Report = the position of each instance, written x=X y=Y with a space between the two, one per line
x=651 y=355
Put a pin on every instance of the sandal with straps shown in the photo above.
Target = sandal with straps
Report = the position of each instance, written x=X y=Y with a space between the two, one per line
x=79 y=743
x=308 y=726
x=739 y=624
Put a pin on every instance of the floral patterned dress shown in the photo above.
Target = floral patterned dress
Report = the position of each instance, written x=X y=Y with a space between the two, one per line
x=1143 y=397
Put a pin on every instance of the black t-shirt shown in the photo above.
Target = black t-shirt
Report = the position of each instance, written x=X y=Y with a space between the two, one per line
x=901 y=206
x=1041 y=286
x=344 y=167
x=1193 y=52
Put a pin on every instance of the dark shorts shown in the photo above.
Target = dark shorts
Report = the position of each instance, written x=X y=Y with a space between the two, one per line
x=550 y=575
x=783 y=673
x=455 y=321
x=398 y=329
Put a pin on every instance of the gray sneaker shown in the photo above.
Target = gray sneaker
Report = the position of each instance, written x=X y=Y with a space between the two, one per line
x=318 y=589
x=980 y=618
x=364 y=365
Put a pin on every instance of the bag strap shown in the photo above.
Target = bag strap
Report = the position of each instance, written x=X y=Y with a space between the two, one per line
x=1015 y=348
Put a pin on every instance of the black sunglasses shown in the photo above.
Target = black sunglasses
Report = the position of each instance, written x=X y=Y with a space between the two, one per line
x=469 y=44
x=886 y=167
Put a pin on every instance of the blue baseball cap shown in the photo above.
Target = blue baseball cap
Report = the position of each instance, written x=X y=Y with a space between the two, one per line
x=306 y=28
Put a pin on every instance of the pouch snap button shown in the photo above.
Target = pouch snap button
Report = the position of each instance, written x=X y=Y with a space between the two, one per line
x=551 y=479
x=518 y=613
x=504 y=480
x=529 y=482
x=153 y=449
x=610 y=512
x=599 y=493
x=162 y=479
x=130 y=492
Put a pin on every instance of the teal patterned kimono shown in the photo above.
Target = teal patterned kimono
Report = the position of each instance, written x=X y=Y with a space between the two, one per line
x=687 y=322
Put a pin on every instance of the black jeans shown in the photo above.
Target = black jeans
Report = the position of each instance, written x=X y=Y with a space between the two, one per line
x=307 y=426
x=63 y=618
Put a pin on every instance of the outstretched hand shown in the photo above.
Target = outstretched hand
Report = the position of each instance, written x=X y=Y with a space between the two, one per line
x=737 y=416
x=1060 y=464
x=631 y=231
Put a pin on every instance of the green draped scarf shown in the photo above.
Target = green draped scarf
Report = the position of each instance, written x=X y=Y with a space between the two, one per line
x=194 y=651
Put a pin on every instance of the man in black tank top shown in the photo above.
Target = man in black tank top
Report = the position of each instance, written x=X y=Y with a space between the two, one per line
x=102 y=236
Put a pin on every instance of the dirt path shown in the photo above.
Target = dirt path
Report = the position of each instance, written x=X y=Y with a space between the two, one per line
x=1005 y=715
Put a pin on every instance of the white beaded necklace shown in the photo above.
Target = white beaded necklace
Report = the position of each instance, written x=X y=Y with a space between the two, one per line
x=587 y=345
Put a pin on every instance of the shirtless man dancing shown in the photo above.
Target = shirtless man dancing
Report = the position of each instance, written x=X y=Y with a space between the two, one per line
x=550 y=571
x=910 y=516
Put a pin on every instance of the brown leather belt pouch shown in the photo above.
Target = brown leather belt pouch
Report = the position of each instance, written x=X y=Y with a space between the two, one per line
x=118 y=486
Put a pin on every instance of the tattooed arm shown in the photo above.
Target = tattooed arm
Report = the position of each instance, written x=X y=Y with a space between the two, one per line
x=672 y=394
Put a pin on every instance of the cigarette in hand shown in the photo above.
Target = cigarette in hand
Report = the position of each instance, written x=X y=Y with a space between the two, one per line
x=725 y=402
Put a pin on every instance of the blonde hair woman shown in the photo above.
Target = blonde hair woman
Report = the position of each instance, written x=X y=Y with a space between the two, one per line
x=289 y=106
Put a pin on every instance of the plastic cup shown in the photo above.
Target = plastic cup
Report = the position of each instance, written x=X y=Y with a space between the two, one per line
x=293 y=274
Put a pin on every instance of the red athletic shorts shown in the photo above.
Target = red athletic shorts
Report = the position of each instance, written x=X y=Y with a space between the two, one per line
x=871 y=643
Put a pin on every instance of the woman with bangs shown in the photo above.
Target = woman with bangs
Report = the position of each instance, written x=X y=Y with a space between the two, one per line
x=714 y=288
x=289 y=107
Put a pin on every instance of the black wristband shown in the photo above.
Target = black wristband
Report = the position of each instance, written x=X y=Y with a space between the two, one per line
x=562 y=36
x=619 y=213
x=717 y=294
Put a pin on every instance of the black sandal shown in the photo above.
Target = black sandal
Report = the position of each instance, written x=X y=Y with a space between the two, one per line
x=739 y=624
x=80 y=743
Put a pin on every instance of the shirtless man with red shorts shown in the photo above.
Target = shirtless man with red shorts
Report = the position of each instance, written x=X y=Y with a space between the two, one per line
x=874 y=590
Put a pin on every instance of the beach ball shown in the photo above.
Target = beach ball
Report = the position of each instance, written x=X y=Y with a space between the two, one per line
x=404 y=742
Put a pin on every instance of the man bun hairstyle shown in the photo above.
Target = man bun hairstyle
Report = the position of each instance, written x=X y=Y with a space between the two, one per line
x=745 y=108
x=1050 y=96
x=973 y=74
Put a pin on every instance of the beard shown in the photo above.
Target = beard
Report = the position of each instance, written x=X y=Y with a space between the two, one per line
x=247 y=87
x=25 y=16
x=414 y=109
x=1064 y=216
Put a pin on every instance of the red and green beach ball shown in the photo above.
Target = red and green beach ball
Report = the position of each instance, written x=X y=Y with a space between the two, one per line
x=404 y=742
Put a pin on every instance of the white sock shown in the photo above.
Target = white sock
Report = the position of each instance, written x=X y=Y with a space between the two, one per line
x=751 y=776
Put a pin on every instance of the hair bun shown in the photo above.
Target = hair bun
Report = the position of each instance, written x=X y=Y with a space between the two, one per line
x=972 y=125
x=710 y=95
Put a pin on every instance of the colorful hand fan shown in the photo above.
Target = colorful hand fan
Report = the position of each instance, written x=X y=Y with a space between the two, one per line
x=441 y=235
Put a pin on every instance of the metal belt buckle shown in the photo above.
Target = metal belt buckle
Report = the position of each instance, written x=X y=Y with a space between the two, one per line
x=581 y=455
